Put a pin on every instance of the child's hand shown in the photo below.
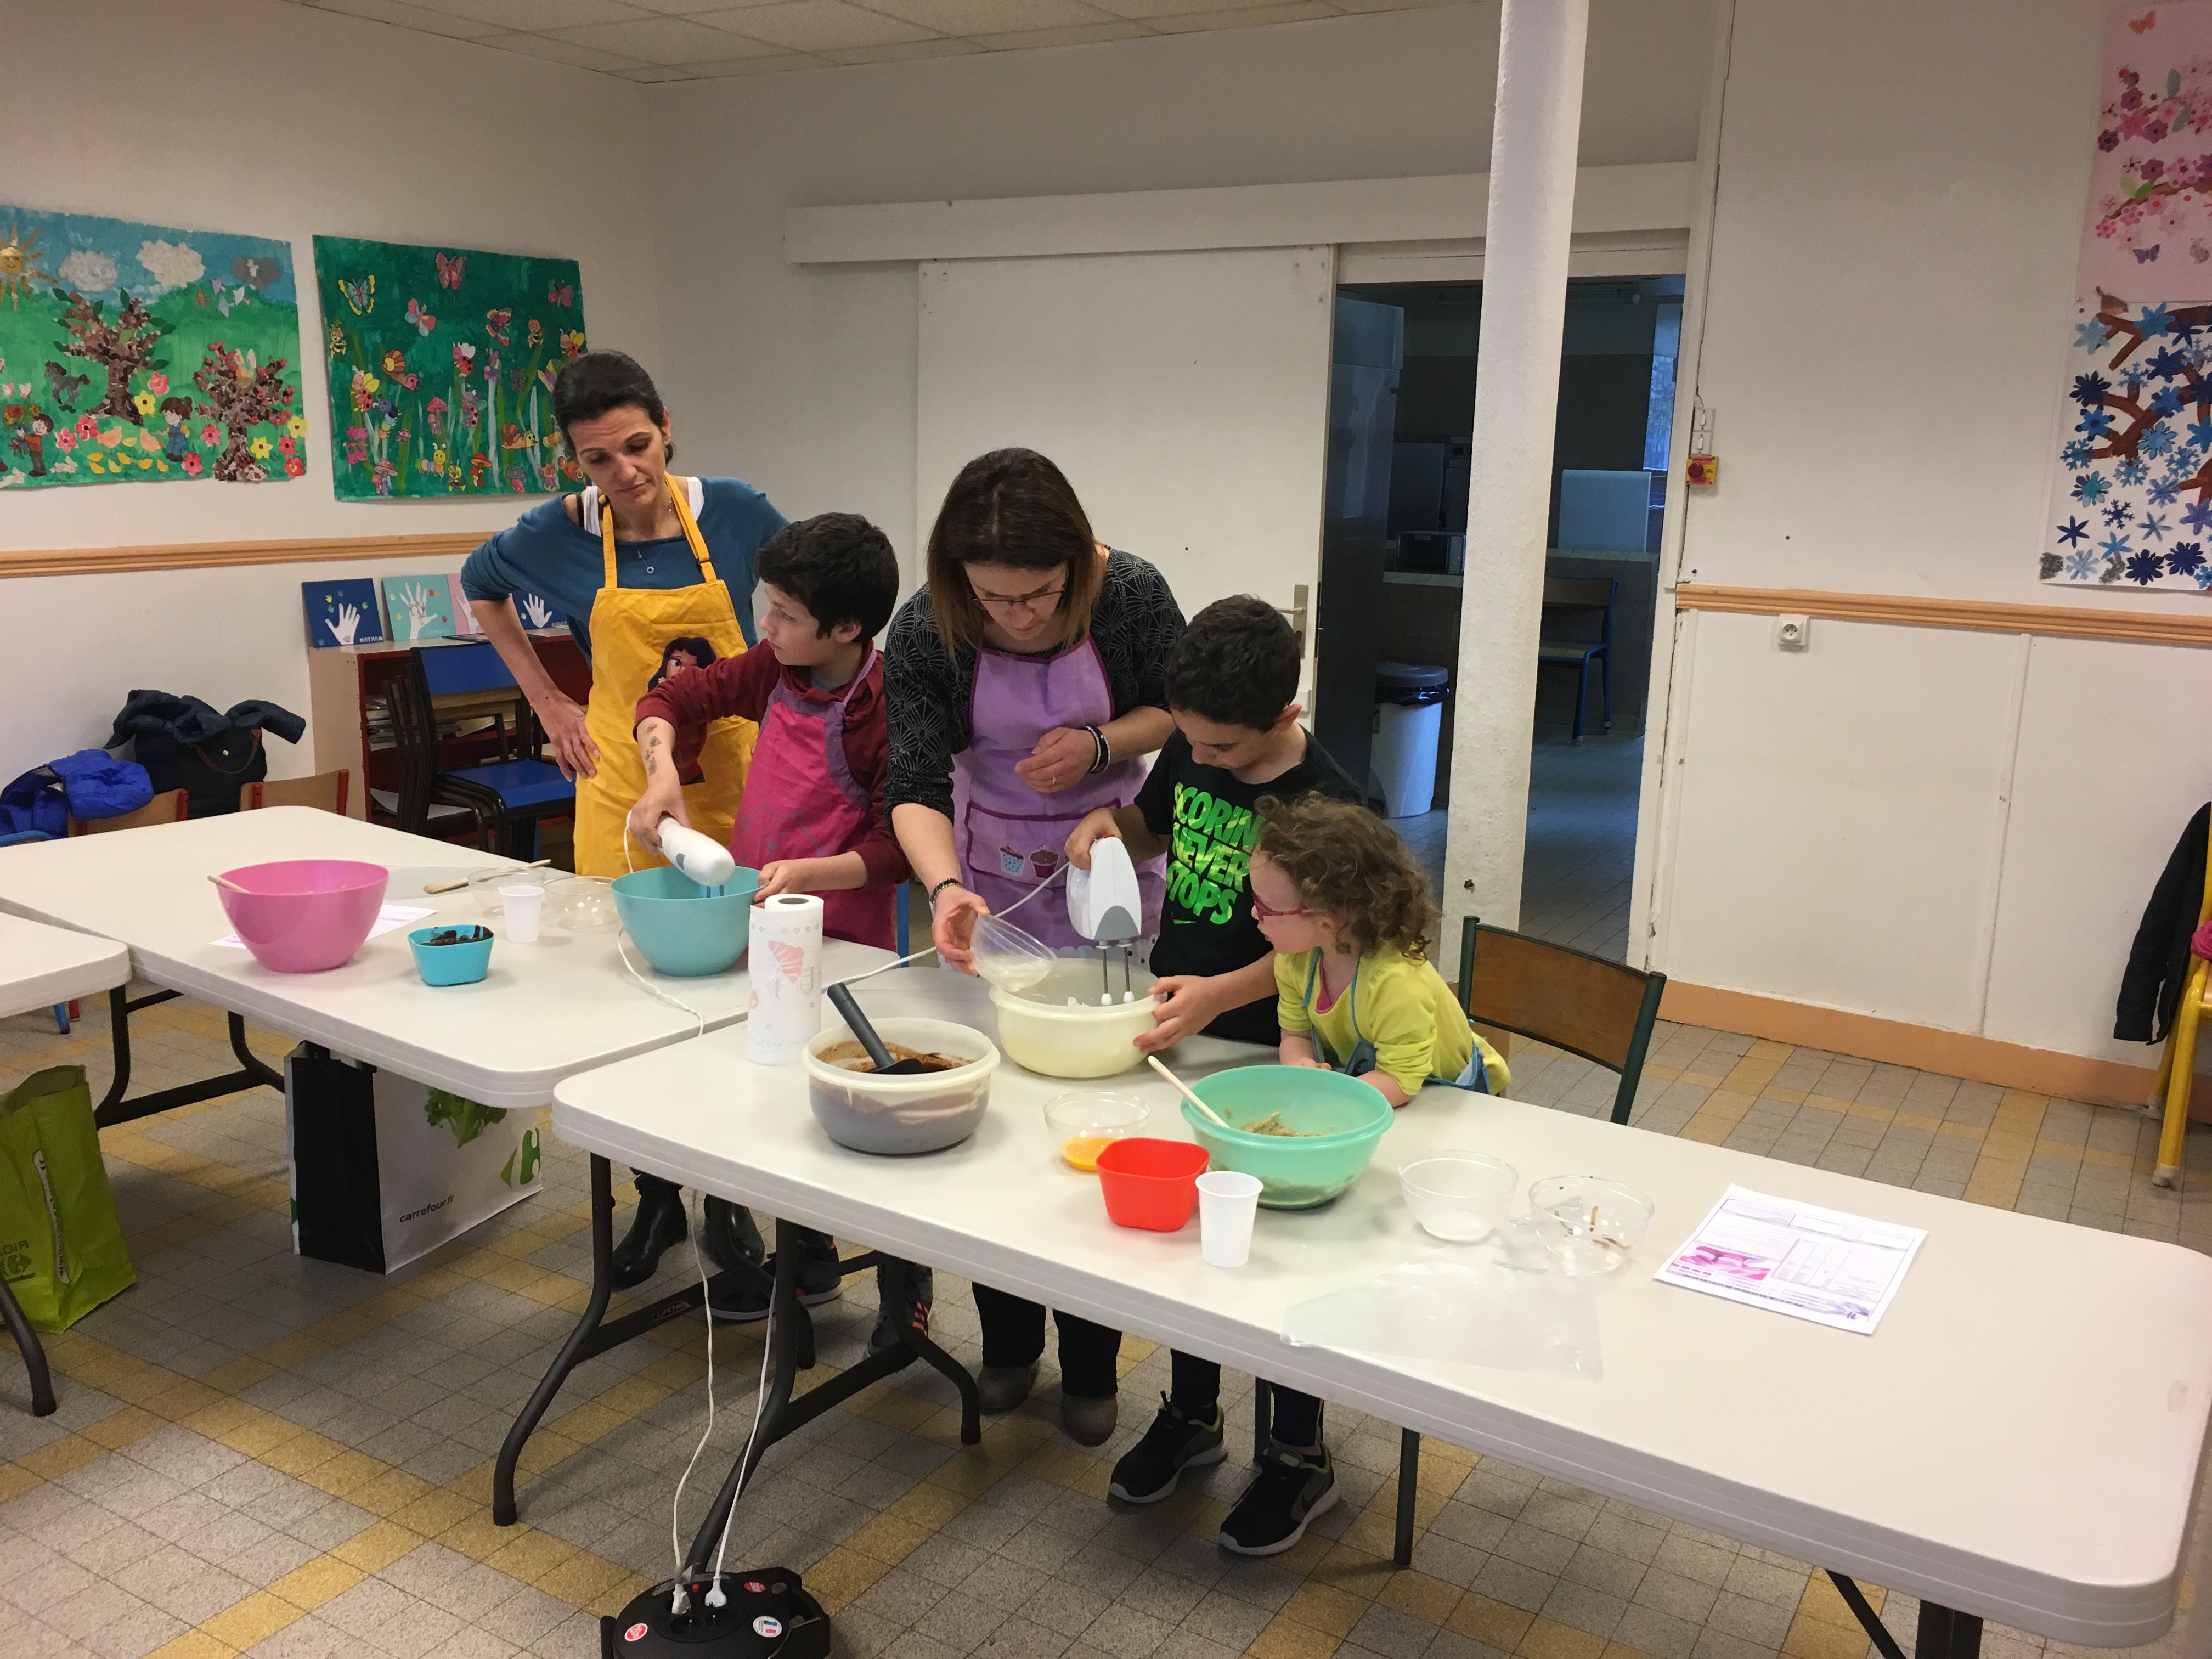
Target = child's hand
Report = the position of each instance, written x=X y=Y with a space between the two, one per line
x=1097 y=823
x=784 y=876
x=662 y=798
x=1188 y=1003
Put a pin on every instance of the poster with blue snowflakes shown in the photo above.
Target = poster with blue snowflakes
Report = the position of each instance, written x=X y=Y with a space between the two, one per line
x=2131 y=503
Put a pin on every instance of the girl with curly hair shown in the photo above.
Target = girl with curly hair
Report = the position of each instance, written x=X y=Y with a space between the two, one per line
x=1345 y=904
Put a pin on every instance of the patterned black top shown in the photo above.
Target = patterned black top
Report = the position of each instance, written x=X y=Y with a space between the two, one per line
x=1134 y=625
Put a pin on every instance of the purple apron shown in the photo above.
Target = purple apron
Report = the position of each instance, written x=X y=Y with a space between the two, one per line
x=1009 y=836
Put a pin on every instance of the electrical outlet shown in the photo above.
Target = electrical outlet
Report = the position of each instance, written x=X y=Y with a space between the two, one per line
x=1792 y=632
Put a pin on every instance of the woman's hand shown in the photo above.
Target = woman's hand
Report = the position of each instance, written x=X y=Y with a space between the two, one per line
x=1094 y=826
x=1062 y=759
x=574 y=752
x=953 y=925
x=1188 y=1003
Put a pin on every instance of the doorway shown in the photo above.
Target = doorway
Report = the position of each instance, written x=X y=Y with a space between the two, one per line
x=1391 y=592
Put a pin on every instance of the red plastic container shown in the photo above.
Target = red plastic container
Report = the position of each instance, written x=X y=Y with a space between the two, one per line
x=1151 y=1183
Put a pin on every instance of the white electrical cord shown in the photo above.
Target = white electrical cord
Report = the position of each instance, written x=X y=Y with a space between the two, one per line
x=714 y=1596
x=623 y=951
x=929 y=950
x=683 y=1598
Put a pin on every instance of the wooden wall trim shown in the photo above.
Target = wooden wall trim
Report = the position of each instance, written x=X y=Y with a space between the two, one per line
x=196 y=555
x=1971 y=616
x=1947 y=1054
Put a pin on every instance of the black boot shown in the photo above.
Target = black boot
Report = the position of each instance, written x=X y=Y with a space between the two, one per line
x=659 y=1223
x=728 y=1232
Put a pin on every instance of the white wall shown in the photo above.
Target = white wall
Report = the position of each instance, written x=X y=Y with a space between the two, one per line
x=806 y=379
x=302 y=121
x=1901 y=191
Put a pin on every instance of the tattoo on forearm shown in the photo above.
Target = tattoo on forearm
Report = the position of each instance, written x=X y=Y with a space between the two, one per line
x=652 y=754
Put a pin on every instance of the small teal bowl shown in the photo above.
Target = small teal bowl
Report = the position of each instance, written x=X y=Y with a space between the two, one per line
x=464 y=963
x=684 y=930
x=1342 y=1117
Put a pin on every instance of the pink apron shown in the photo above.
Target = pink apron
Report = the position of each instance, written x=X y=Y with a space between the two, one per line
x=1009 y=836
x=802 y=801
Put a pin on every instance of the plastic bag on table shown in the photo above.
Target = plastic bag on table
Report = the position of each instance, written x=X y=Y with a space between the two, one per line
x=1498 y=1305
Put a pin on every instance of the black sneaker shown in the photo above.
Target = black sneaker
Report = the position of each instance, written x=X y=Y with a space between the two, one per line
x=1290 y=1490
x=821 y=1279
x=920 y=1290
x=1148 y=1470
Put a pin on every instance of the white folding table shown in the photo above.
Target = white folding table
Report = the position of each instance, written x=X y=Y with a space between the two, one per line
x=2020 y=1440
x=41 y=966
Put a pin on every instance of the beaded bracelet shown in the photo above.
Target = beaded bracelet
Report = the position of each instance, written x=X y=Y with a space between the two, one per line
x=950 y=881
x=1102 y=755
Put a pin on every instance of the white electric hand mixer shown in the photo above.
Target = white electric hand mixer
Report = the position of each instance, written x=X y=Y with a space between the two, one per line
x=706 y=860
x=1105 y=904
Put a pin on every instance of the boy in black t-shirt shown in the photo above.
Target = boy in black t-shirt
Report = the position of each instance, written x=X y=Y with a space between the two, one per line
x=1231 y=686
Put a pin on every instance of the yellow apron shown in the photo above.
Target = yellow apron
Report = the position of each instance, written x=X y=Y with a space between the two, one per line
x=631 y=628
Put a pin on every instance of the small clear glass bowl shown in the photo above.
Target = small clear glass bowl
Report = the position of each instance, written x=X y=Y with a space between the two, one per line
x=1588 y=1223
x=1459 y=1197
x=484 y=886
x=1086 y=1123
x=582 y=904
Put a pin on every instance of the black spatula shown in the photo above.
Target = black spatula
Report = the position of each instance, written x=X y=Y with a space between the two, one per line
x=842 y=1001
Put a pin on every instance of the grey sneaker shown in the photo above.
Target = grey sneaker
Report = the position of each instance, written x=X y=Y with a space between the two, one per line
x=1002 y=1387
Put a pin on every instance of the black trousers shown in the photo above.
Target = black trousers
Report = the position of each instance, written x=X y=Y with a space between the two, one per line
x=1013 y=1334
x=1196 y=1390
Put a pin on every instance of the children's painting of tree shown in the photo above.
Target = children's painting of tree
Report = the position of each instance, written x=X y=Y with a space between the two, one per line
x=442 y=366
x=2131 y=499
x=135 y=354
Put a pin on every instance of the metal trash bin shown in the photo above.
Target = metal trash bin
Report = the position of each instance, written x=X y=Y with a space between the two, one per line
x=1409 y=719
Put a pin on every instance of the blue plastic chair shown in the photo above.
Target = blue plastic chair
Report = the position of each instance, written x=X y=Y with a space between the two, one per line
x=524 y=788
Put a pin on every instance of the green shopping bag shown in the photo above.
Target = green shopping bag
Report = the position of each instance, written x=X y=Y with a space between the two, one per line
x=61 y=1248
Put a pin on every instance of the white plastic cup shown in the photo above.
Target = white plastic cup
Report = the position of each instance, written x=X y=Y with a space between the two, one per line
x=1228 y=1199
x=526 y=907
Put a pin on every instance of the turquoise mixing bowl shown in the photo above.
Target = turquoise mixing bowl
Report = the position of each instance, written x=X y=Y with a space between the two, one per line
x=682 y=929
x=1342 y=1117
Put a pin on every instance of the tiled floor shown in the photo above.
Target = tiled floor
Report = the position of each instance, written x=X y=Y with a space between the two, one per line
x=276 y=1456
x=1581 y=845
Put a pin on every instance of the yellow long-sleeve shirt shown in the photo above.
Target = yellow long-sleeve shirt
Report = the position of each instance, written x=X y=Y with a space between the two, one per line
x=1400 y=1003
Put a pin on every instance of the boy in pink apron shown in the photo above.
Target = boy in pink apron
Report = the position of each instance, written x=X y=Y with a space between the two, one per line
x=811 y=819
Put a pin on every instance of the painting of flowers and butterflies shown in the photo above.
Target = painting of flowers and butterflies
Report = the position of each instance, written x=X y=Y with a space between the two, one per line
x=441 y=366
x=2131 y=500
x=143 y=353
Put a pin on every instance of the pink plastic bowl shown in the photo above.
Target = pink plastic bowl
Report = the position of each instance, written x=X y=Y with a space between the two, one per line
x=303 y=915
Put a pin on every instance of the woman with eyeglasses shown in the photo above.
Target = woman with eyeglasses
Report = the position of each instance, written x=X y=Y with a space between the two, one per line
x=1024 y=683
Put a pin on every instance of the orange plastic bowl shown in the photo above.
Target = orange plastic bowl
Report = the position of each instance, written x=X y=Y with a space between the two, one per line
x=1149 y=1183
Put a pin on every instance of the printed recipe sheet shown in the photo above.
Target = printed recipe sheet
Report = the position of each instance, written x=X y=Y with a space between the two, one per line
x=1797 y=1259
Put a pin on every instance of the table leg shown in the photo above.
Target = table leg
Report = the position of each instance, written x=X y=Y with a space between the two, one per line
x=1263 y=1416
x=1944 y=1634
x=595 y=1333
x=1409 y=1480
x=34 y=1355
x=113 y=1108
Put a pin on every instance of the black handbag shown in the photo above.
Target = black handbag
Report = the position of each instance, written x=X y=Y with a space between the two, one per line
x=210 y=773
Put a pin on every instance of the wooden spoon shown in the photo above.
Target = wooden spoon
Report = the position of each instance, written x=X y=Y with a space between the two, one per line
x=1154 y=1062
x=455 y=886
x=232 y=885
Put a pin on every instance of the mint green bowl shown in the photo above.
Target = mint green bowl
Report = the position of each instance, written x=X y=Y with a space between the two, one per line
x=1343 y=1118
x=682 y=928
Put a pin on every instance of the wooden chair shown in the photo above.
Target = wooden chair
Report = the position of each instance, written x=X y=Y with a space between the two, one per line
x=1568 y=596
x=165 y=808
x=1602 y=1010
x=2176 y=1066
x=327 y=790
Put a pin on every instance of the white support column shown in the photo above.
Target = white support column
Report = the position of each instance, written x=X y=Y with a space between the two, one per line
x=1524 y=296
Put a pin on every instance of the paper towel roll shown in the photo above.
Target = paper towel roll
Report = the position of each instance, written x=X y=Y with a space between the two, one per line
x=786 y=964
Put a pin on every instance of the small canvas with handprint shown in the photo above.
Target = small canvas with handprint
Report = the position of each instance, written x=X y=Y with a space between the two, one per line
x=465 y=618
x=537 y=612
x=421 y=607
x=341 y=613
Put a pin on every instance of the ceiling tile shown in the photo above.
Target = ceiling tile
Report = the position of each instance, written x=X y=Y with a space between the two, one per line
x=684 y=7
x=904 y=51
x=398 y=12
x=817 y=25
x=652 y=74
x=655 y=39
x=774 y=63
x=1079 y=36
x=536 y=15
x=561 y=52
x=1148 y=9
x=1395 y=5
x=990 y=16
x=1276 y=11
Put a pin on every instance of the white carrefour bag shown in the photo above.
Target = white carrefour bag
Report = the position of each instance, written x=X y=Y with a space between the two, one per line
x=385 y=1169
